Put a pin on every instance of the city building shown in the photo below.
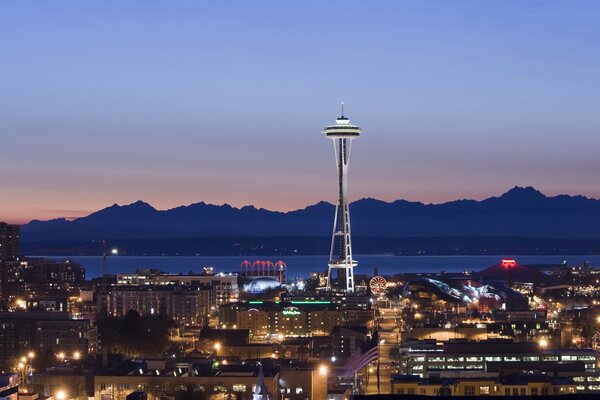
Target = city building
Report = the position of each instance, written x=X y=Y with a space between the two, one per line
x=40 y=276
x=42 y=271
x=188 y=305
x=9 y=254
x=43 y=332
x=361 y=302
x=347 y=339
x=267 y=319
x=285 y=381
x=9 y=242
x=516 y=385
x=492 y=358
x=224 y=286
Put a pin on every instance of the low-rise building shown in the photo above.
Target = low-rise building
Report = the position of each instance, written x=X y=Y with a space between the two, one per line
x=517 y=386
x=492 y=358
x=285 y=380
x=42 y=332
x=347 y=339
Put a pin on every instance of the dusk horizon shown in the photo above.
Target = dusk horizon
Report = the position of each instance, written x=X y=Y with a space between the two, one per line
x=200 y=201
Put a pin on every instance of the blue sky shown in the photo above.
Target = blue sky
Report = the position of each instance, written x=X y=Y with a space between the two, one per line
x=179 y=102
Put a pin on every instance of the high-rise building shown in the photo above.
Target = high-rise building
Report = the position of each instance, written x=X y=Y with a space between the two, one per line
x=9 y=242
x=9 y=253
x=341 y=263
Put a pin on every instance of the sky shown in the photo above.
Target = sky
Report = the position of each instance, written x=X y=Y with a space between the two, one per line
x=224 y=101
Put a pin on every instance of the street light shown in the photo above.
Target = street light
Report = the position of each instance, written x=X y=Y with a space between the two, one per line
x=61 y=395
x=323 y=369
x=61 y=356
x=543 y=343
x=76 y=355
x=114 y=252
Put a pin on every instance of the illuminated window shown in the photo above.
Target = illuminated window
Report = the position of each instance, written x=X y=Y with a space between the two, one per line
x=493 y=359
x=531 y=358
x=298 y=390
x=239 y=388
x=588 y=358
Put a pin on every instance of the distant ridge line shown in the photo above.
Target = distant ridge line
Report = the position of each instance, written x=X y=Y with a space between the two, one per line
x=520 y=212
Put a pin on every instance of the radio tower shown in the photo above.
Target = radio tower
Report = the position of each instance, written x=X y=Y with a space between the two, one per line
x=341 y=260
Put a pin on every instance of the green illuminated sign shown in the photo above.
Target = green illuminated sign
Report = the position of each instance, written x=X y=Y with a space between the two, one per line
x=310 y=302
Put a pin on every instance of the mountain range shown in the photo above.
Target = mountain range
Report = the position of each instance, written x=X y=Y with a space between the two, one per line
x=520 y=212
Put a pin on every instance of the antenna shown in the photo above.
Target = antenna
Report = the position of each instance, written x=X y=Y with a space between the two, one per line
x=342 y=109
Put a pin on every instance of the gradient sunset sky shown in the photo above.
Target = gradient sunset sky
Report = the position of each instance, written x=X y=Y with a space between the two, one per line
x=223 y=102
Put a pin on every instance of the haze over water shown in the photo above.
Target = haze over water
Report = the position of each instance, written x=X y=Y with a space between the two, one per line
x=301 y=266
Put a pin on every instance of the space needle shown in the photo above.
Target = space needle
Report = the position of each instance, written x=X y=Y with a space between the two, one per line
x=341 y=263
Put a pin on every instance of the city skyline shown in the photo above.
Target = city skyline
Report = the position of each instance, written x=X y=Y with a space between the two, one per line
x=175 y=105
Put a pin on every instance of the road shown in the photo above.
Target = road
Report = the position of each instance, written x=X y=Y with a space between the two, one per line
x=388 y=339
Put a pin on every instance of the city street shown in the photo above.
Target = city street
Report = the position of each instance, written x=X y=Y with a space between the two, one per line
x=388 y=339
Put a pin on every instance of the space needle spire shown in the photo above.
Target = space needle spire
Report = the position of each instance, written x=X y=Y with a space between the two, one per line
x=340 y=274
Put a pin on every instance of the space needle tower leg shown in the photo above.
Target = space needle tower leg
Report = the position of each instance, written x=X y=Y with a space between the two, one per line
x=341 y=262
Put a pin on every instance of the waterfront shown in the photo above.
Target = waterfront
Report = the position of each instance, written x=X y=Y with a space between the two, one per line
x=301 y=266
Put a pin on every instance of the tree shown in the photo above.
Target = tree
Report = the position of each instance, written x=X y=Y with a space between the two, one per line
x=134 y=335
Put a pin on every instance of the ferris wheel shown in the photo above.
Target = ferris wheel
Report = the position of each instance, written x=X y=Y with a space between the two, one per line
x=377 y=285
